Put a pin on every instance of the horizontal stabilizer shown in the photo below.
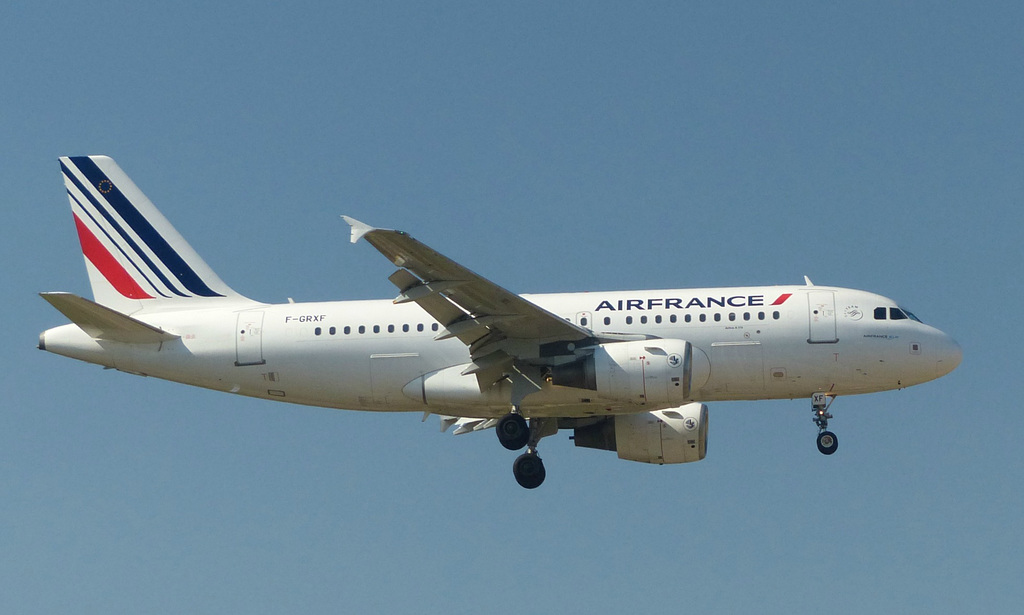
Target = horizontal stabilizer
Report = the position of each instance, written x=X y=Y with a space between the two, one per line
x=103 y=323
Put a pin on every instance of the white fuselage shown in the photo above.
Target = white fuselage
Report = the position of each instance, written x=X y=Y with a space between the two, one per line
x=748 y=343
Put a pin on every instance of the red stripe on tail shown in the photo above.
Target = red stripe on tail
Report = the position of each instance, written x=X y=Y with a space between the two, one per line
x=112 y=270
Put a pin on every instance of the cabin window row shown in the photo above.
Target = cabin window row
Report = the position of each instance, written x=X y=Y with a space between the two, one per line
x=362 y=329
x=658 y=319
x=716 y=317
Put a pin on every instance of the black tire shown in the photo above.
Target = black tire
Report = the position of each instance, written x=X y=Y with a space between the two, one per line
x=529 y=470
x=513 y=432
x=827 y=442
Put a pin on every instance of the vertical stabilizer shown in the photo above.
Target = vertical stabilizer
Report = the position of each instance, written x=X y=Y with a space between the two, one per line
x=135 y=258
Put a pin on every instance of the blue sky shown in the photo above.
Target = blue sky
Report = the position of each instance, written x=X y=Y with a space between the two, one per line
x=579 y=146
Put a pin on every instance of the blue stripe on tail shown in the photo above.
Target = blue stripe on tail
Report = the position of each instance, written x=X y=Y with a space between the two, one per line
x=139 y=254
x=149 y=235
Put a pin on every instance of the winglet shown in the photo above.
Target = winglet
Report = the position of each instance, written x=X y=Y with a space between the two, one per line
x=358 y=228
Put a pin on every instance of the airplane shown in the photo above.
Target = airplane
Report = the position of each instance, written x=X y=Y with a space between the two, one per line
x=626 y=371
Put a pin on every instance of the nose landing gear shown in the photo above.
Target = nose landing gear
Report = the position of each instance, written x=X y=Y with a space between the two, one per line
x=827 y=441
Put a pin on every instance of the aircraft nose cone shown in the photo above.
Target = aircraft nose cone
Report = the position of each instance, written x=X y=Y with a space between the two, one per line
x=950 y=354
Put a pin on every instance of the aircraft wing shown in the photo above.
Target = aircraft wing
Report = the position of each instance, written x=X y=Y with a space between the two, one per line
x=497 y=325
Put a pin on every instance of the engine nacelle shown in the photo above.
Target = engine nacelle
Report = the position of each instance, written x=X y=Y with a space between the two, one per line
x=644 y=372
x=677 y=435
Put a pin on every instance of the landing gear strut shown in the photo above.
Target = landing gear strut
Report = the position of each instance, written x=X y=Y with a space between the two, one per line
x=514 y=434
x=827 y=441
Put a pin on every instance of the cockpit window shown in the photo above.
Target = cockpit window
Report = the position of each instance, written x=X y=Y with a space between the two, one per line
x=910 y=315
x=894 y=313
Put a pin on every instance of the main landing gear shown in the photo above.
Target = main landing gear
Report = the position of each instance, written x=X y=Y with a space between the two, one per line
x=827 y=441
x=514 y=434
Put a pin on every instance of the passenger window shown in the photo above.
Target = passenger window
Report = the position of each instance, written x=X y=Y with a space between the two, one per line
x=362 y=329
x=405 y=328
x=732 y=316
x=347 y=329
x=672 y=318
x=746 y=315
x=657 y=319
x=760 y=315
x=376 y=328
x=419 y=327
x=703 y=317
x=718 y=317
x=583 y=321
x=433 y=326
x=688 y=318
x=317 y=331
x=629 y=320
x=332 y=330
x=391 y=328
x=607 y=320
x=880 y=313
x=643 y=320
x=776 y=315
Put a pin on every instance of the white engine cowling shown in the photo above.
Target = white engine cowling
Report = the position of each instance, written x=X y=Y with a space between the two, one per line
x=644 y=372
x=677 y=435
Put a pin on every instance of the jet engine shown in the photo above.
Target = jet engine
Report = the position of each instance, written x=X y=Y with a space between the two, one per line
x=677 y=435
x=643 y=372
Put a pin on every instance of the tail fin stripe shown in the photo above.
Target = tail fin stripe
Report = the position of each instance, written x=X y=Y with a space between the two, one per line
x=145 y=231
x=101 y=246
x=107 y=265
x=140 y=255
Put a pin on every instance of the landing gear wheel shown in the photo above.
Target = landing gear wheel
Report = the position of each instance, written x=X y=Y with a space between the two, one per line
x=513 y=432
x=827 y=442
x=529 y=470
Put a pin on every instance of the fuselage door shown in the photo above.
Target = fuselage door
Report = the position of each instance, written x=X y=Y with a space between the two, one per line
x=821 y=306
x=249 y=339
x=585 y=320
